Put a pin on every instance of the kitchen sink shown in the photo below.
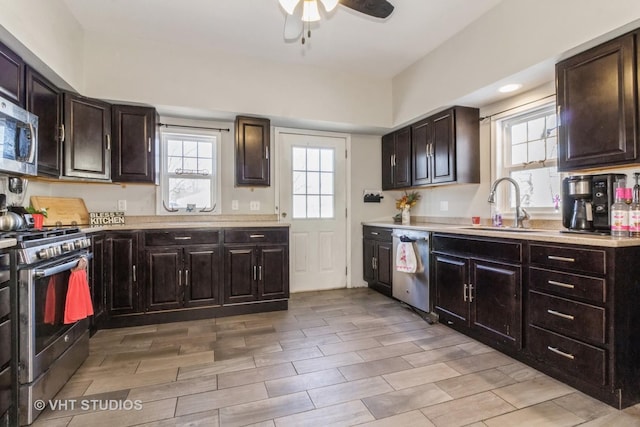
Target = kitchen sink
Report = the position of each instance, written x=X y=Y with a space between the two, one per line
x=509 y=229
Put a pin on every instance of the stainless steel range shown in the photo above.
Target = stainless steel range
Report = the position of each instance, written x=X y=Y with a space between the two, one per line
x=50 y=351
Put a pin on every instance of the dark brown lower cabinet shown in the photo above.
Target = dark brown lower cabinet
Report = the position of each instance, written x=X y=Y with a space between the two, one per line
x=377 y=249
x=121 y=272
x=98 y=290
x=478 y=295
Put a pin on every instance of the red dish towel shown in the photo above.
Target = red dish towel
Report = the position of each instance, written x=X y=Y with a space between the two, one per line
x=78 y=305
x=50 y=303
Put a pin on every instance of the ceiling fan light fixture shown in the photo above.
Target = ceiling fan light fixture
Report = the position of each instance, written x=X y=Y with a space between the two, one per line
x=289 y=5
x=329 y=5
x=310 y=12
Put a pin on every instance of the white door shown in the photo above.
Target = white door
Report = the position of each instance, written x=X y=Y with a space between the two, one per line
x=312 y=198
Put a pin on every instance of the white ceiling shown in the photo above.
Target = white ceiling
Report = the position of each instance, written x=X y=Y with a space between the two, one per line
x=345 y=40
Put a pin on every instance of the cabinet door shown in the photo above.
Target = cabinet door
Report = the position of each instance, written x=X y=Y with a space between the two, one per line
x=388 y=151
x=203 y=275
x=384 y=263
x=273 y=272
x=443 y=155
x=45 y=101
x=240 y=274
x=11 y=76
x=402 y=161
x=164 y=278
x=421 y=140
x=597 y=106
x=495 y=299
x=368 y=260
x=134 y=137
x=122 y=268
x=451 y=277
x=252 y=151
x=87 y=143
x=98 y=291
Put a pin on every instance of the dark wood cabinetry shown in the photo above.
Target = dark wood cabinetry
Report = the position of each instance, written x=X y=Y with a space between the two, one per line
x=98 y=290
x=11 y=76
x=87 y=138
x=256 y=265
x=183 y=269
x=472 y=277
x=133 y=157
x=9 y=350
x=121 y=273
x=44 y=99
x=253 y=136
x=597 y=104
x=396 y=159
x=377 y=260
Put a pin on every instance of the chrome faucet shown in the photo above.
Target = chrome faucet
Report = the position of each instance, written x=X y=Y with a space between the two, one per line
x=521 y=214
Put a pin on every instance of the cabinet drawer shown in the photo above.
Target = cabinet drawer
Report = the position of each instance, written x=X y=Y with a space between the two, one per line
x=581 y=321
x=278 y=235
x=571 y=285
x=5 y=337
x=570 y=258
x=5 y=302
x=376 y=233
x=573 y=357
x=5 y=390
x=181 y=237
x=506 y=250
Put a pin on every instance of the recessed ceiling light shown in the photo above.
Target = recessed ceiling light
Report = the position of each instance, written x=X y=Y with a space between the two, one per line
x=510 y=87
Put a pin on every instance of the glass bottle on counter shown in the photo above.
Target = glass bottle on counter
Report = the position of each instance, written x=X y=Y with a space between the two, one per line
x=620 y=215
x=634 y=212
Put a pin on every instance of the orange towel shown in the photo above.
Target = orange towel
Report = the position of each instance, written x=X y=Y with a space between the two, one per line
x=50 y=303
x=78 y=305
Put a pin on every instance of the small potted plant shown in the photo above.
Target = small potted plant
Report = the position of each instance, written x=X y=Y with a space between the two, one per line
x=38 y=216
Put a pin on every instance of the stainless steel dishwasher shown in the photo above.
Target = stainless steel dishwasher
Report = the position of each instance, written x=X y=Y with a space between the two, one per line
x=412 y=288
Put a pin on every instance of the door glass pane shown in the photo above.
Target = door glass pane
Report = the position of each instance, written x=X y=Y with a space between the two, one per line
x=299 y=206
x=326 y=183
x=313 y=183
x=326 y=206
x=309 y=182
x=313 y=159
x=326 y=160
x=299 y=182
x=299 y=159
x=313 y=206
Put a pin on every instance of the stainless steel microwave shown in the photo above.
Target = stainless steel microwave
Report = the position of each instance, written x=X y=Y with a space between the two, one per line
x=18 y=140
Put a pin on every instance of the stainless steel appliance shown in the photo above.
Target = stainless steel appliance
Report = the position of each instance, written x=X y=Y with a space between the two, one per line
x=413 y=288
x=18 y=140
x=586 y=202
x=50 y=351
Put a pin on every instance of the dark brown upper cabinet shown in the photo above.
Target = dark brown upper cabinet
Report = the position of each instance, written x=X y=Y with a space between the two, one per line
x=87 y=138
x=597 y=106
x=396 y=159
x=11 y=76
x=133 y=158
x=44 y=99
x=252 y=151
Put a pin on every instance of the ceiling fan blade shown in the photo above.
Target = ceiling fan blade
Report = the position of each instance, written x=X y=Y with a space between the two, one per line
x=375 y=8
x=292 y=27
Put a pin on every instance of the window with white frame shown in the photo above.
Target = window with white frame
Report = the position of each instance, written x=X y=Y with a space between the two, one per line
x=190 y=179
x=526 y=150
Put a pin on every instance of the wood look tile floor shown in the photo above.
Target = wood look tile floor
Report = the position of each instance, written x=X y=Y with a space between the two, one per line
x=335 y=358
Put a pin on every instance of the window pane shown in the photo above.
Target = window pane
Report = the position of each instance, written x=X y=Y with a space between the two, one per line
x=174 y=163
x=299 y=206
x=205 y=166
x=174 y=147
x=326 y=206
x=551 y=122
x=552 y=148
x=519 y=154
x=313 y=206
x=326 y=183
x=313 y=159
x=190 y=165
x=299 y=182
x=538 y=187
x=536 y=150
x=189 y=191
x=537 y=129
x=190 y=148
x=518 y=133
x=326 y=160
x=205 y=149
x=299 y=159
x=313 y=183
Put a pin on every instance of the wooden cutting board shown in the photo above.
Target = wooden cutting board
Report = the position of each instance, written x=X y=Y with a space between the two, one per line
x=62 y=210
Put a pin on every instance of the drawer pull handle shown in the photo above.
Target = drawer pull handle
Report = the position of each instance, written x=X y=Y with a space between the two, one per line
x=561 y=258
x=561 y=353
x=374 y=233
x=256 y=236
x=182 y=238
x=557 y=313
x=562 y=285
x=464 y=291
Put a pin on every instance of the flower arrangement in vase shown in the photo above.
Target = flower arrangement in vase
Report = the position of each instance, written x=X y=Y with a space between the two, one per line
x=404 y=204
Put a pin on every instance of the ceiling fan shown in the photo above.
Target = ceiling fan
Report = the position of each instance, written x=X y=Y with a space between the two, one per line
x=297 y=16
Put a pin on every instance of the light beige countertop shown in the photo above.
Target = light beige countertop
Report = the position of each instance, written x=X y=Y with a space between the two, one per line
x=540 y=235
x=7 y=243
x=184 y=224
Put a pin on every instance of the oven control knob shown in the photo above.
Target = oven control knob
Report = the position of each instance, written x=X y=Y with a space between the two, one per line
x=66 y=247
x=43 y=254
x=77 y=244
x=87 y=242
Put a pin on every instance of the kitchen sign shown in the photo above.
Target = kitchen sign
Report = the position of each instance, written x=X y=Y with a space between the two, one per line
x=106 y=218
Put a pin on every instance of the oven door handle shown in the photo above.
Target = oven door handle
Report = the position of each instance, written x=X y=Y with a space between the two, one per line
x=60 y=267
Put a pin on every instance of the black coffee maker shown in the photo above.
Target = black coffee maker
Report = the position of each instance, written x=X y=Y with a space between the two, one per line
x=586 y=201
